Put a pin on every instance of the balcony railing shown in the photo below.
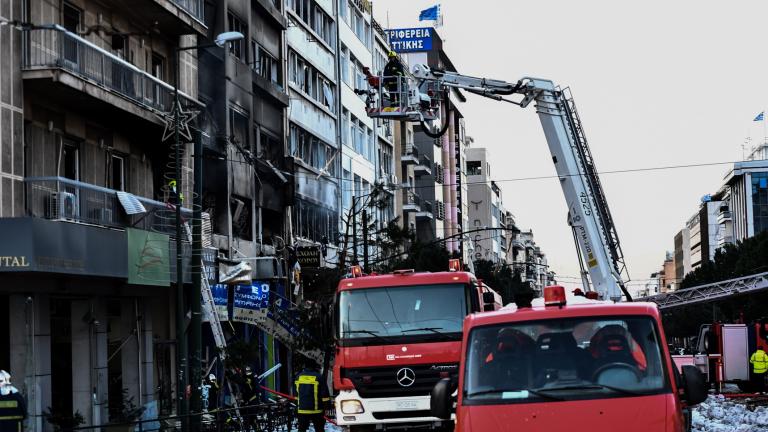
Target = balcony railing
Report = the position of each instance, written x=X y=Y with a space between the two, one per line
x=56 y=48
x=59 y=198
x=410 y=150
x=411 y=201
x=193 y=7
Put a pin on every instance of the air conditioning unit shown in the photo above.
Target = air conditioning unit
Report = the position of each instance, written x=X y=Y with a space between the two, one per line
x=63 y=205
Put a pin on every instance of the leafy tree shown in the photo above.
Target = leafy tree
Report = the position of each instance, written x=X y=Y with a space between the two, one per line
x=505 y=281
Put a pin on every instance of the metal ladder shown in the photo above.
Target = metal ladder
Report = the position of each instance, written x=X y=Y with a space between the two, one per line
x=593 y=183
x=209 y=310
x=714 y=291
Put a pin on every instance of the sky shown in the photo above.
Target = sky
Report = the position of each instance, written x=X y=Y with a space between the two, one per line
x=656 y=83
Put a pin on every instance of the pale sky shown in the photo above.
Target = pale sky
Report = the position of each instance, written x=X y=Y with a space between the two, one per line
x=657 y=83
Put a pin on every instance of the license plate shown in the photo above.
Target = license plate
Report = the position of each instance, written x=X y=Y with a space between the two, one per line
x=406 y=405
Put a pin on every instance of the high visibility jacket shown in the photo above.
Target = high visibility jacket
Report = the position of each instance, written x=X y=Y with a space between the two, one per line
x=759 y=362
x=310 y=392
x=12 y=412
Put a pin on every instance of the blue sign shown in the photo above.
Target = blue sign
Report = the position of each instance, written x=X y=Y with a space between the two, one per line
x=250 y=302
x=410 y=39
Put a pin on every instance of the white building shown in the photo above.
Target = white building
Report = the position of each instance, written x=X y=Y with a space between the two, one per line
x=744 y=208
x=313 y=121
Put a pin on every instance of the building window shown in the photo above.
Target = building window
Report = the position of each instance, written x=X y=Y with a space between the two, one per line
x=345 y=65
x=238 y=128
x=345 y=129
x=117 y=163
x=264 y=63
x=236 y=48
x=71 y=160
x=474 y=168
x=315 y=17
x=313 y=151
x=71 y=17
x=760 y=201
x=310 y=81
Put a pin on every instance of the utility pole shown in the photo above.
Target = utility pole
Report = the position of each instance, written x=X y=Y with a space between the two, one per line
x=181 y=338
x=354 y=230
x=196 y=339
x=365 y=241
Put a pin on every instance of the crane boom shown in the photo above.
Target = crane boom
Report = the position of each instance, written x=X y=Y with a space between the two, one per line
x=599 y=249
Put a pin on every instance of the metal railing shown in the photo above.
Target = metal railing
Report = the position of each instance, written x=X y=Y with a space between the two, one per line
x=425 y=161
x=193 y=7
x=410 y=150
x=59 y=198
x=410 y=198
x=55 y=48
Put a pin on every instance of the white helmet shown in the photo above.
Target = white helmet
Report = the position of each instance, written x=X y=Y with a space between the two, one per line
x=5 y=378
x=212 y=377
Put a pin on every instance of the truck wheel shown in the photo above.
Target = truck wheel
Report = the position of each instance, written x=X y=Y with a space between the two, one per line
x=745 y=386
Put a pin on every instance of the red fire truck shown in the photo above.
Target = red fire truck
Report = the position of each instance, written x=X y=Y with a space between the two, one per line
x=568 y=364
x=398 y=335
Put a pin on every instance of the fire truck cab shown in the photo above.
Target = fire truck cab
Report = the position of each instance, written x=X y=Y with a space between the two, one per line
x=566 y=362
x=397 y=335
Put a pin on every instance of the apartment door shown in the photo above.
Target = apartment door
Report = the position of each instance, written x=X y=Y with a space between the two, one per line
x=158 y=71
x=71 y=19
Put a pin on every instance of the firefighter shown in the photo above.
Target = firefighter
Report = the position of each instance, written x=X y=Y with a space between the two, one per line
x=393 y=72
x=759 y=361
x=311 y=397
x=12 y=408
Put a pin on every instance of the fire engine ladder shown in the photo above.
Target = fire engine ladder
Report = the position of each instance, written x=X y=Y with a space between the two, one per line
x=714 y=291
x=209 y=310
x=590 y=174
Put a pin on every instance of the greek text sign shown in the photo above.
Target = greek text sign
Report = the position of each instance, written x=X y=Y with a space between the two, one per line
x=410 y=39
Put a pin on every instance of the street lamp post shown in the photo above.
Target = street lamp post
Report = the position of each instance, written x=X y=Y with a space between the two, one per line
x=196 y=318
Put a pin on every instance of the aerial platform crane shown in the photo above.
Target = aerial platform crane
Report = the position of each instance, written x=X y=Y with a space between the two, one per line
x=418 y=98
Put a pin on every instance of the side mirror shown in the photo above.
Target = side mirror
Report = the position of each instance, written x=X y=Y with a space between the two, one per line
x=440 y=399
x=488 y=297
x=694 y=385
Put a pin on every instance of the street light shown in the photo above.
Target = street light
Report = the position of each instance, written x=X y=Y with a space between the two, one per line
x=196 y=321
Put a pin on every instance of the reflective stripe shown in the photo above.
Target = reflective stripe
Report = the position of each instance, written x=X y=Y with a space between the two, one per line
x=9 y=404
x=11 y=417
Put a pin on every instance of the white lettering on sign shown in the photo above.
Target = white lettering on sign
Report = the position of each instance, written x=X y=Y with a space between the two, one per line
x=13 y=261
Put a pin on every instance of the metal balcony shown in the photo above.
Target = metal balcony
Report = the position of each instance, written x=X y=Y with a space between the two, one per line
x=411 y=202
x=59 y=198
x=423 y=167
x=54 y=48
x=409 y=155
x=426 y=211
x=724 y=216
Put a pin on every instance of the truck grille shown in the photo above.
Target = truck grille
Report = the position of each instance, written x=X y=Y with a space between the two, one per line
x=417 y=380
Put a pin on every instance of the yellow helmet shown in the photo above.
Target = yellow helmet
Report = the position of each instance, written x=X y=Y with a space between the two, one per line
x=392 y=54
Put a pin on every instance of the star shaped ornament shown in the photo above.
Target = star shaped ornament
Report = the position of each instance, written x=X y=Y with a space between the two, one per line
x=185 y=117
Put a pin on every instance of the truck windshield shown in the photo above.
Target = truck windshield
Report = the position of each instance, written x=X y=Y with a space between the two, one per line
x=564 y=359
x=433 y=311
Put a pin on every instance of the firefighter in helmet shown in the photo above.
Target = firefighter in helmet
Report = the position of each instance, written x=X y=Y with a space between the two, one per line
x=12 y=407
x=394 y=71
x=312 y=397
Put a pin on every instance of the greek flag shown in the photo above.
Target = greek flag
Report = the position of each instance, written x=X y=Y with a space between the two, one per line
x=430 y=14
x=760 y=117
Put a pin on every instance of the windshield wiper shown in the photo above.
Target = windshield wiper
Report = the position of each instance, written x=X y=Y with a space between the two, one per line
x=368 y=332
x=593 y=386
x=434 y=330
x=533 y=392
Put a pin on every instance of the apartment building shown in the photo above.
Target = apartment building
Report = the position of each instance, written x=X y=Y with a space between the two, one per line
x=84 y=186
x=486 y=209
x=743 y=211
x=314 y=132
